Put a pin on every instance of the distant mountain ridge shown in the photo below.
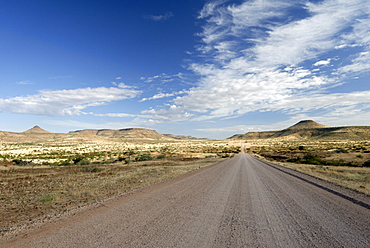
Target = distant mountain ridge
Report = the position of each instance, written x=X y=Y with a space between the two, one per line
x=308 y=129
x=182 y=137
x=37 y=134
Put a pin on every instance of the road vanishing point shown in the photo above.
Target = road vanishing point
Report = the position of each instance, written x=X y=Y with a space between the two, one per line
x=239 y=202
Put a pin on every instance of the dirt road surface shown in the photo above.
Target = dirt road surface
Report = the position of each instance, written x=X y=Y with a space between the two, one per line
x=240 y=202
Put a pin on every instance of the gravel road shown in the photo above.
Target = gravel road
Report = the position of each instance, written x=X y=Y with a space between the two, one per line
x=240 y=202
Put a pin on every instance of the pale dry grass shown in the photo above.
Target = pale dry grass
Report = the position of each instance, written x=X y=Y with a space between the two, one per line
x=357 y=178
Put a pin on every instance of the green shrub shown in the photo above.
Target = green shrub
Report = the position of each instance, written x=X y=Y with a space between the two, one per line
x=84 y=162
x=312 y=159
x=144 y=157
x=161 y=156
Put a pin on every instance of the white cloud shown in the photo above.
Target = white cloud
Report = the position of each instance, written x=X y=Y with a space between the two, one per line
x=164 y=78
x=360 y=64
x=322 y=62
x=158 y=96
x=74 y=125
x=337 y=103
x=240 y=129
x=210 y=8
x=120 y=115
x=224 y=93
x=65 y=102
x=298 y=41
x=26 y=82
x=162 y=95
x=164 y=17
x=172 y=113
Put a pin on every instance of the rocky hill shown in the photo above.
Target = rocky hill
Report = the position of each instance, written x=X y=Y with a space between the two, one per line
x=309 y=129
x=36 y=130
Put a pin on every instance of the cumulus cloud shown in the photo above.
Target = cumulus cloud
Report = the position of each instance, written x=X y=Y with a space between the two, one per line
x=258 y=57
x=66 y=102
x=322 y=62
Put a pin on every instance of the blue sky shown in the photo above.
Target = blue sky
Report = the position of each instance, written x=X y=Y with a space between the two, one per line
x=186 y=67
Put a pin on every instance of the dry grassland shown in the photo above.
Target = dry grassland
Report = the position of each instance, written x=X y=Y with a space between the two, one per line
x=30 y=193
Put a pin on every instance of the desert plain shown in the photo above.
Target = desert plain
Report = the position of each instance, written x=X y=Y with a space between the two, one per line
x=46 y=175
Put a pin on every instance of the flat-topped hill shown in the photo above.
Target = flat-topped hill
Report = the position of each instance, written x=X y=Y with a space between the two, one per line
x=306 y=124
x=127 y=133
